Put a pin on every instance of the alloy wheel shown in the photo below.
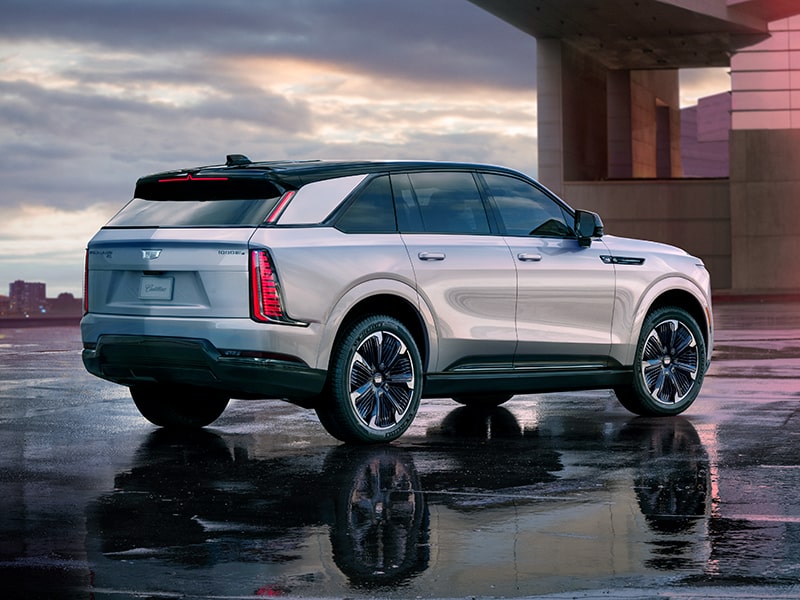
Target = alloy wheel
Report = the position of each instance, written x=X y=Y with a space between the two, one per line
x=381 y=380
x=670 y=362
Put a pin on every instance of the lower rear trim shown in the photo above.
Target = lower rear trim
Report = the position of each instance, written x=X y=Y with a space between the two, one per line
x=135 y=359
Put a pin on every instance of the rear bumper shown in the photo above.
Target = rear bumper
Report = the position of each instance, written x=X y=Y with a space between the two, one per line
x=137 y=359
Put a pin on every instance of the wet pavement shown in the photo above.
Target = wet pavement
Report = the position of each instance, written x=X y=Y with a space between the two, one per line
x=561 y=495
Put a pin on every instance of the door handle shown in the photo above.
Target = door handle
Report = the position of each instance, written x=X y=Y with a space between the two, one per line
x=525 y=257
x=431 y=255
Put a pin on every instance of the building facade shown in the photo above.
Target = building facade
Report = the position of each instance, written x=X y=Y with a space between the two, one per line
x=610 y=133
x=27 y=298
x=765 y=154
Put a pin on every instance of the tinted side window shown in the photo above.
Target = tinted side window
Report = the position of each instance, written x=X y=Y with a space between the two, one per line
x=449 y=203
x=372 y=211
x=409 y=219
x=525 y=210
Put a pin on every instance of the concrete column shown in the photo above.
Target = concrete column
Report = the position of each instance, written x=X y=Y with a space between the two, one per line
x=620 y=158
x=550 y=114
x=654 y=92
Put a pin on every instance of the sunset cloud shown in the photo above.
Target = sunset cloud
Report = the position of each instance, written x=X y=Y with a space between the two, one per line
x=94 y=95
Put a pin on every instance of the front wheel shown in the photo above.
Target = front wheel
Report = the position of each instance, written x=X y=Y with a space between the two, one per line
x=179 y=407
x=669 y=365
x=375 y=382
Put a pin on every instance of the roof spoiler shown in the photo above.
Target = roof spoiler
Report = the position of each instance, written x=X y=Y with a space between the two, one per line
x=235 y=160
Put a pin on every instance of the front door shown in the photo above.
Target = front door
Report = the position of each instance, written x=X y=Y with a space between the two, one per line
x=565 y=298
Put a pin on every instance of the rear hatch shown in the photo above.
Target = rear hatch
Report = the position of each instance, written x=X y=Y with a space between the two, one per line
x=180 y=247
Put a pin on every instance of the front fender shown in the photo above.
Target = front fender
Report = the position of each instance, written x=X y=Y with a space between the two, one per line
x=675 y=288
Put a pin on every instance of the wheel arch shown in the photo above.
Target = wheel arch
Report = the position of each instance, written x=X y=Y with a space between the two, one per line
x=688 y=302
x=671 y=291
x=392 y=299
x=391 y=306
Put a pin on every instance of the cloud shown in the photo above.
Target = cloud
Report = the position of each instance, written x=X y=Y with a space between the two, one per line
x=450 y=40
x=95 y=94
x=699 y=83
x=40 y=243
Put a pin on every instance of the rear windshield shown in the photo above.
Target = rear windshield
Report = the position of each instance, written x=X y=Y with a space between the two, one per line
x=196 y=203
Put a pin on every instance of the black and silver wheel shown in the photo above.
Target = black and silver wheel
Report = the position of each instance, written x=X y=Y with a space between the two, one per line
x=669 y=365
x=180 y=407
x=375 y=382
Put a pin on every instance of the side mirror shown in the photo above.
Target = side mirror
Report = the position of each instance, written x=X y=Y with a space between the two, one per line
x=588 y=225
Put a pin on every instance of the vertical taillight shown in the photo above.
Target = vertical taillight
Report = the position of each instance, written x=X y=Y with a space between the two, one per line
x=86 y=283
x=266 y=300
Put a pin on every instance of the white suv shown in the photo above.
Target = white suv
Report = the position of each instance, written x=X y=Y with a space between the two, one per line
x=358 y=288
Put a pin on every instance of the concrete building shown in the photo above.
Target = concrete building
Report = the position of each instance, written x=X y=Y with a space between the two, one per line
x=610 y=133
x=27 y=298
x=705 y=136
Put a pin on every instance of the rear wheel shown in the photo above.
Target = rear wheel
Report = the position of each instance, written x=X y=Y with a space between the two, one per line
x=375 y=382
x=180 y=407
x=669 y=365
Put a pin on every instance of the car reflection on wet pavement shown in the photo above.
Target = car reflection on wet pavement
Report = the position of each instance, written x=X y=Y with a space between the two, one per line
x=560 y=494
x=190 y=500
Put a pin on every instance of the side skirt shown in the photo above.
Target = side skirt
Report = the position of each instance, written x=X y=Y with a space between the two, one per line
x=439 y=385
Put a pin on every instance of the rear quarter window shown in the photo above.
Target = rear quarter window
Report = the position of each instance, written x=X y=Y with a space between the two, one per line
x=314 y=202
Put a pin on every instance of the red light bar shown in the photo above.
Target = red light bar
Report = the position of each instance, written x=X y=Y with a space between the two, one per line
x=86 y=283
x=265 y=296
x=276 y=212
x=188 y=177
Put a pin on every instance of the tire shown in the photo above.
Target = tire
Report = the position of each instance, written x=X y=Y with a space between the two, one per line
x=375 y=382
x=669 y=365
x=483 y=400
x=179 y=407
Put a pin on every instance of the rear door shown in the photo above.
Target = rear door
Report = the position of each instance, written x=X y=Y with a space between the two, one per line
x=463 y=271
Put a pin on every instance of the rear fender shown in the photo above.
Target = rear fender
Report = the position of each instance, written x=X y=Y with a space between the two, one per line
x=363 y=292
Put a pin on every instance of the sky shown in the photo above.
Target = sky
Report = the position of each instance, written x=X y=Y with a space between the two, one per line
x=96 y=93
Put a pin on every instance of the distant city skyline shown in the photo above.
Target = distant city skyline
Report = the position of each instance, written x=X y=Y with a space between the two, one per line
x=29 y=299
x=44 y=283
